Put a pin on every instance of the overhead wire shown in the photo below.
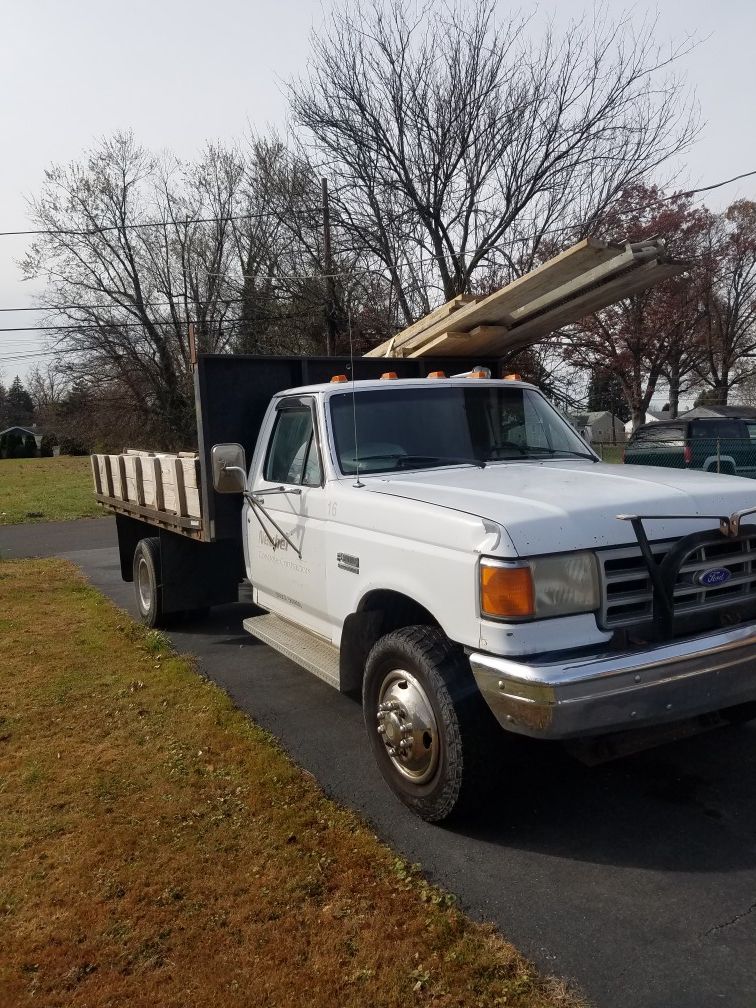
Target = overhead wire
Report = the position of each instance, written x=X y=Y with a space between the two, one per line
x=84 y=232
x=294 y=277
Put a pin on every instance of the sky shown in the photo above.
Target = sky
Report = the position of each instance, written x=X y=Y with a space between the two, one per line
x=181 y=72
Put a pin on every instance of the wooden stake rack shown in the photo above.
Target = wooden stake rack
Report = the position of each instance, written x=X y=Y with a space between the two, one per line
x=158 y=487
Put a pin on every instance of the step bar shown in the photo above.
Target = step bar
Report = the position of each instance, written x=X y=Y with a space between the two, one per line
x=298 y=645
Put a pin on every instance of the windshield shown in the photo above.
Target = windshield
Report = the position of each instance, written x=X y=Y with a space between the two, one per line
x=414 y=428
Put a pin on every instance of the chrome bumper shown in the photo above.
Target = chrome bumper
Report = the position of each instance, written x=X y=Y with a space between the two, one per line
x=596 y=694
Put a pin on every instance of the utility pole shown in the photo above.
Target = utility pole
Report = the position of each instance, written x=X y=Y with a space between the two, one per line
x=330 y=307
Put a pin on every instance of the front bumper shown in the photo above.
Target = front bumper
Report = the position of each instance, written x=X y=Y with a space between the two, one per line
x=601 y=693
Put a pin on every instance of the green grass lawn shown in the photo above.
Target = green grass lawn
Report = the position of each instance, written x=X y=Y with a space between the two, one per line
x=159 y=850
x=46 y=489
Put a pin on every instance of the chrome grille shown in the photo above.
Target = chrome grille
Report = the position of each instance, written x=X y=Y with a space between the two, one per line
x=627 y=591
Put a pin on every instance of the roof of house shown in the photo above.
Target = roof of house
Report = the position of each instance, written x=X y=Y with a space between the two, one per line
x=719 y=411
x=18 y=427
x=586 y=419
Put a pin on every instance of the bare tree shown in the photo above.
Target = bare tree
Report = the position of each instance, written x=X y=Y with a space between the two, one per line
x=456 y=146
x=729 y=302
x=124 y=294
x=654 y=334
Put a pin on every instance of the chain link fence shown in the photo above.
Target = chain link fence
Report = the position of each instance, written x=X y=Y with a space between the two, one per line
x=731 y=456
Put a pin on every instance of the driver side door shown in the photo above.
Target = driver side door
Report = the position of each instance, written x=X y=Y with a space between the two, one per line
x=286 y=525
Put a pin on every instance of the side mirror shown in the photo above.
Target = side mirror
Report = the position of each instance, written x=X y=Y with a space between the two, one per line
x=229 y=468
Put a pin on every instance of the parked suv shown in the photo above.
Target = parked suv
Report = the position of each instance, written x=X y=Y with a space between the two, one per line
x=714 y=444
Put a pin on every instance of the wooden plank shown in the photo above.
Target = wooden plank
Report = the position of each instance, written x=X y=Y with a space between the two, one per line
x=572 y=310
x=497 y=307
x=94 y=463
x=586 y=264
x=437 y=315
x=593 y=276
x=178 y=476
x=187 y=526
x=123 y=492
x=156 y=472
x=556 y=273
x=107 y=475
x=139 y=482
x=457 y=344
x=621 y=287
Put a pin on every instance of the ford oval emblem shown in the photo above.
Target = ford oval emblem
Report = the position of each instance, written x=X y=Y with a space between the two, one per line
x=714 y=576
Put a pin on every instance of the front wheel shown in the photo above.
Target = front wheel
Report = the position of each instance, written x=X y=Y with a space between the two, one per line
x=431 y=732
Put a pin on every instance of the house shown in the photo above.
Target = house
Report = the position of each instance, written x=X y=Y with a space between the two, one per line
x=652 y=416
x=599 y=426
x=24 y=432
x=19 y=445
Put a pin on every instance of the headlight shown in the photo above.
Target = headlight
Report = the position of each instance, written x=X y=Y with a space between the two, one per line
x=543 y=586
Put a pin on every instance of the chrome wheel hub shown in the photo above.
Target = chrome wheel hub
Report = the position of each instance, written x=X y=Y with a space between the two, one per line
x=407 y=726
x=143 y=584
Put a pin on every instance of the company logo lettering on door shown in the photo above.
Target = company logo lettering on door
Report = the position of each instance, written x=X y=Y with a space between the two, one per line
x=276 y=544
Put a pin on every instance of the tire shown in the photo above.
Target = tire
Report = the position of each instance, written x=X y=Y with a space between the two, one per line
x=431 y=732
x=147 y=587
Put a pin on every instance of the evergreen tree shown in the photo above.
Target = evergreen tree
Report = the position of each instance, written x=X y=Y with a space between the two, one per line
x=20 y=408
x=605 y=393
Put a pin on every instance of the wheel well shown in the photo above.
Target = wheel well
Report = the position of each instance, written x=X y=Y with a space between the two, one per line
x=379 y=613
x=397 y=611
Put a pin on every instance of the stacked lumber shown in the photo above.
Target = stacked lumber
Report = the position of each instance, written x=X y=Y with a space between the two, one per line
x=158 y=480
x=587 y=277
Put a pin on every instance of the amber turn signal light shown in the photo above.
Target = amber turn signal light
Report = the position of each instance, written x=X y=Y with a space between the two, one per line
x=506 y=592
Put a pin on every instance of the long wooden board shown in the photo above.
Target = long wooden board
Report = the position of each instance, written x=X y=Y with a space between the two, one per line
x=439 y=314
x=498 y=340
x=584 y=278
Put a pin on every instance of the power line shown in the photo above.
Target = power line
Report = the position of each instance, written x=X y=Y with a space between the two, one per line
x=113 y=304
x=86 y=232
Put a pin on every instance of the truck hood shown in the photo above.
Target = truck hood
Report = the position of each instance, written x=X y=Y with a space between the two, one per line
x=554 y=506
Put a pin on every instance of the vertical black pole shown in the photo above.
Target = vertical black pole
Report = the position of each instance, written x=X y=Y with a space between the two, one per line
x=330 y=308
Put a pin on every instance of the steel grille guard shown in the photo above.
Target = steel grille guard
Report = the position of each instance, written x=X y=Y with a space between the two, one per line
x=664 y=575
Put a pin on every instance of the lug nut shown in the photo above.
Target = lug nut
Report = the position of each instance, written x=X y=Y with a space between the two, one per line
x=381 y=729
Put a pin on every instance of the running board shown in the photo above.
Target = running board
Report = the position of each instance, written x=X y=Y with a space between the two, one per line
x=298 y=645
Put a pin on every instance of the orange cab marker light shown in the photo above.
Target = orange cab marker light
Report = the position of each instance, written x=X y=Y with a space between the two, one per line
x=513 y=377
x=339 y=378
x=437 y=374
x=389 y=375
x=479 y=374
x=506 y=591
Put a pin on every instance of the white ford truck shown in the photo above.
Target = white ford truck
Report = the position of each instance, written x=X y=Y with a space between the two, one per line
x=451 y=550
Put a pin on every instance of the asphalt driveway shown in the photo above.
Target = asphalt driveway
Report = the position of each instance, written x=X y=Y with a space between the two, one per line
x=636 y=879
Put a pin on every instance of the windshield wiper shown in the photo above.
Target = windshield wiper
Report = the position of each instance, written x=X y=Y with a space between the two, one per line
x=421 y=459
x=560 y=451
x=441 y=460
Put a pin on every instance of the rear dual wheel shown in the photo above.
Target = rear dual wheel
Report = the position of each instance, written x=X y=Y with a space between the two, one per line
x=431 y=732
x=147 y=586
